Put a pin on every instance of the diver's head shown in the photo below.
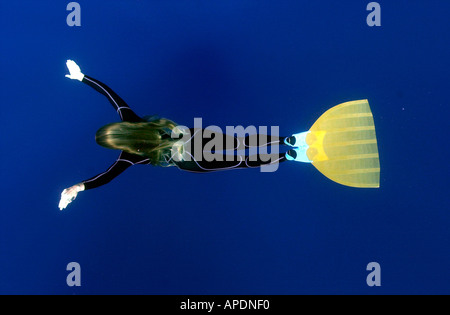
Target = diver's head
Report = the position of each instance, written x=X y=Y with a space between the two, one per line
x=148 y=139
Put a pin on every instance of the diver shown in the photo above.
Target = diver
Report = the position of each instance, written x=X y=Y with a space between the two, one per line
x=341 y=144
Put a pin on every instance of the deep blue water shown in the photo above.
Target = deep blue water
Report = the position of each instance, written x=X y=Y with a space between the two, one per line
x=230 y=62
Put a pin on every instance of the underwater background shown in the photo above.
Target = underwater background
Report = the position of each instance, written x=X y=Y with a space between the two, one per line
x=231 y=62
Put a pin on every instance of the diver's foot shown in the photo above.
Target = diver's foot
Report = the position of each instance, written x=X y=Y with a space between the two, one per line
x=297 y=140
x=297 y=155
x=290 y=141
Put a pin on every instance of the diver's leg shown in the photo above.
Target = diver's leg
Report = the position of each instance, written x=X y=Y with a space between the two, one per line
x=264 y=160
x=258 y=141
x=227 y=142
x=238 y=162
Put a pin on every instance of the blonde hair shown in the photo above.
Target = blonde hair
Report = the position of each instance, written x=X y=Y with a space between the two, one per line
x=151 y=139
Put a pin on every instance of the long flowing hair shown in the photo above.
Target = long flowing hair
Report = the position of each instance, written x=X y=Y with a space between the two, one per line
x=151 y=139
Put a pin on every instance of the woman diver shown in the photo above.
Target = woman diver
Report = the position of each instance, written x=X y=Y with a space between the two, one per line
x=341 y=144
x=161 y=142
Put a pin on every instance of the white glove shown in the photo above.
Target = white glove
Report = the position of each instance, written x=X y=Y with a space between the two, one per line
x=75 y=71
x=68 y=195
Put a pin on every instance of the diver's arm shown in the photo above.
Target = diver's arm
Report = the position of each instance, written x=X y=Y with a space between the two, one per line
x=76 y=74
x=124 y=161
x=104 y=178
x=120 y=106
x=68 y=195
x=102 y=88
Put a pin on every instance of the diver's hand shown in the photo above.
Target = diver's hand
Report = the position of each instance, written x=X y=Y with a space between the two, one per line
x=68 y=195
x=75 y=71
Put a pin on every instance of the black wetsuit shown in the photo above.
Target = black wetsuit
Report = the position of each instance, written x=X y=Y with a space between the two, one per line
x=126 y=160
